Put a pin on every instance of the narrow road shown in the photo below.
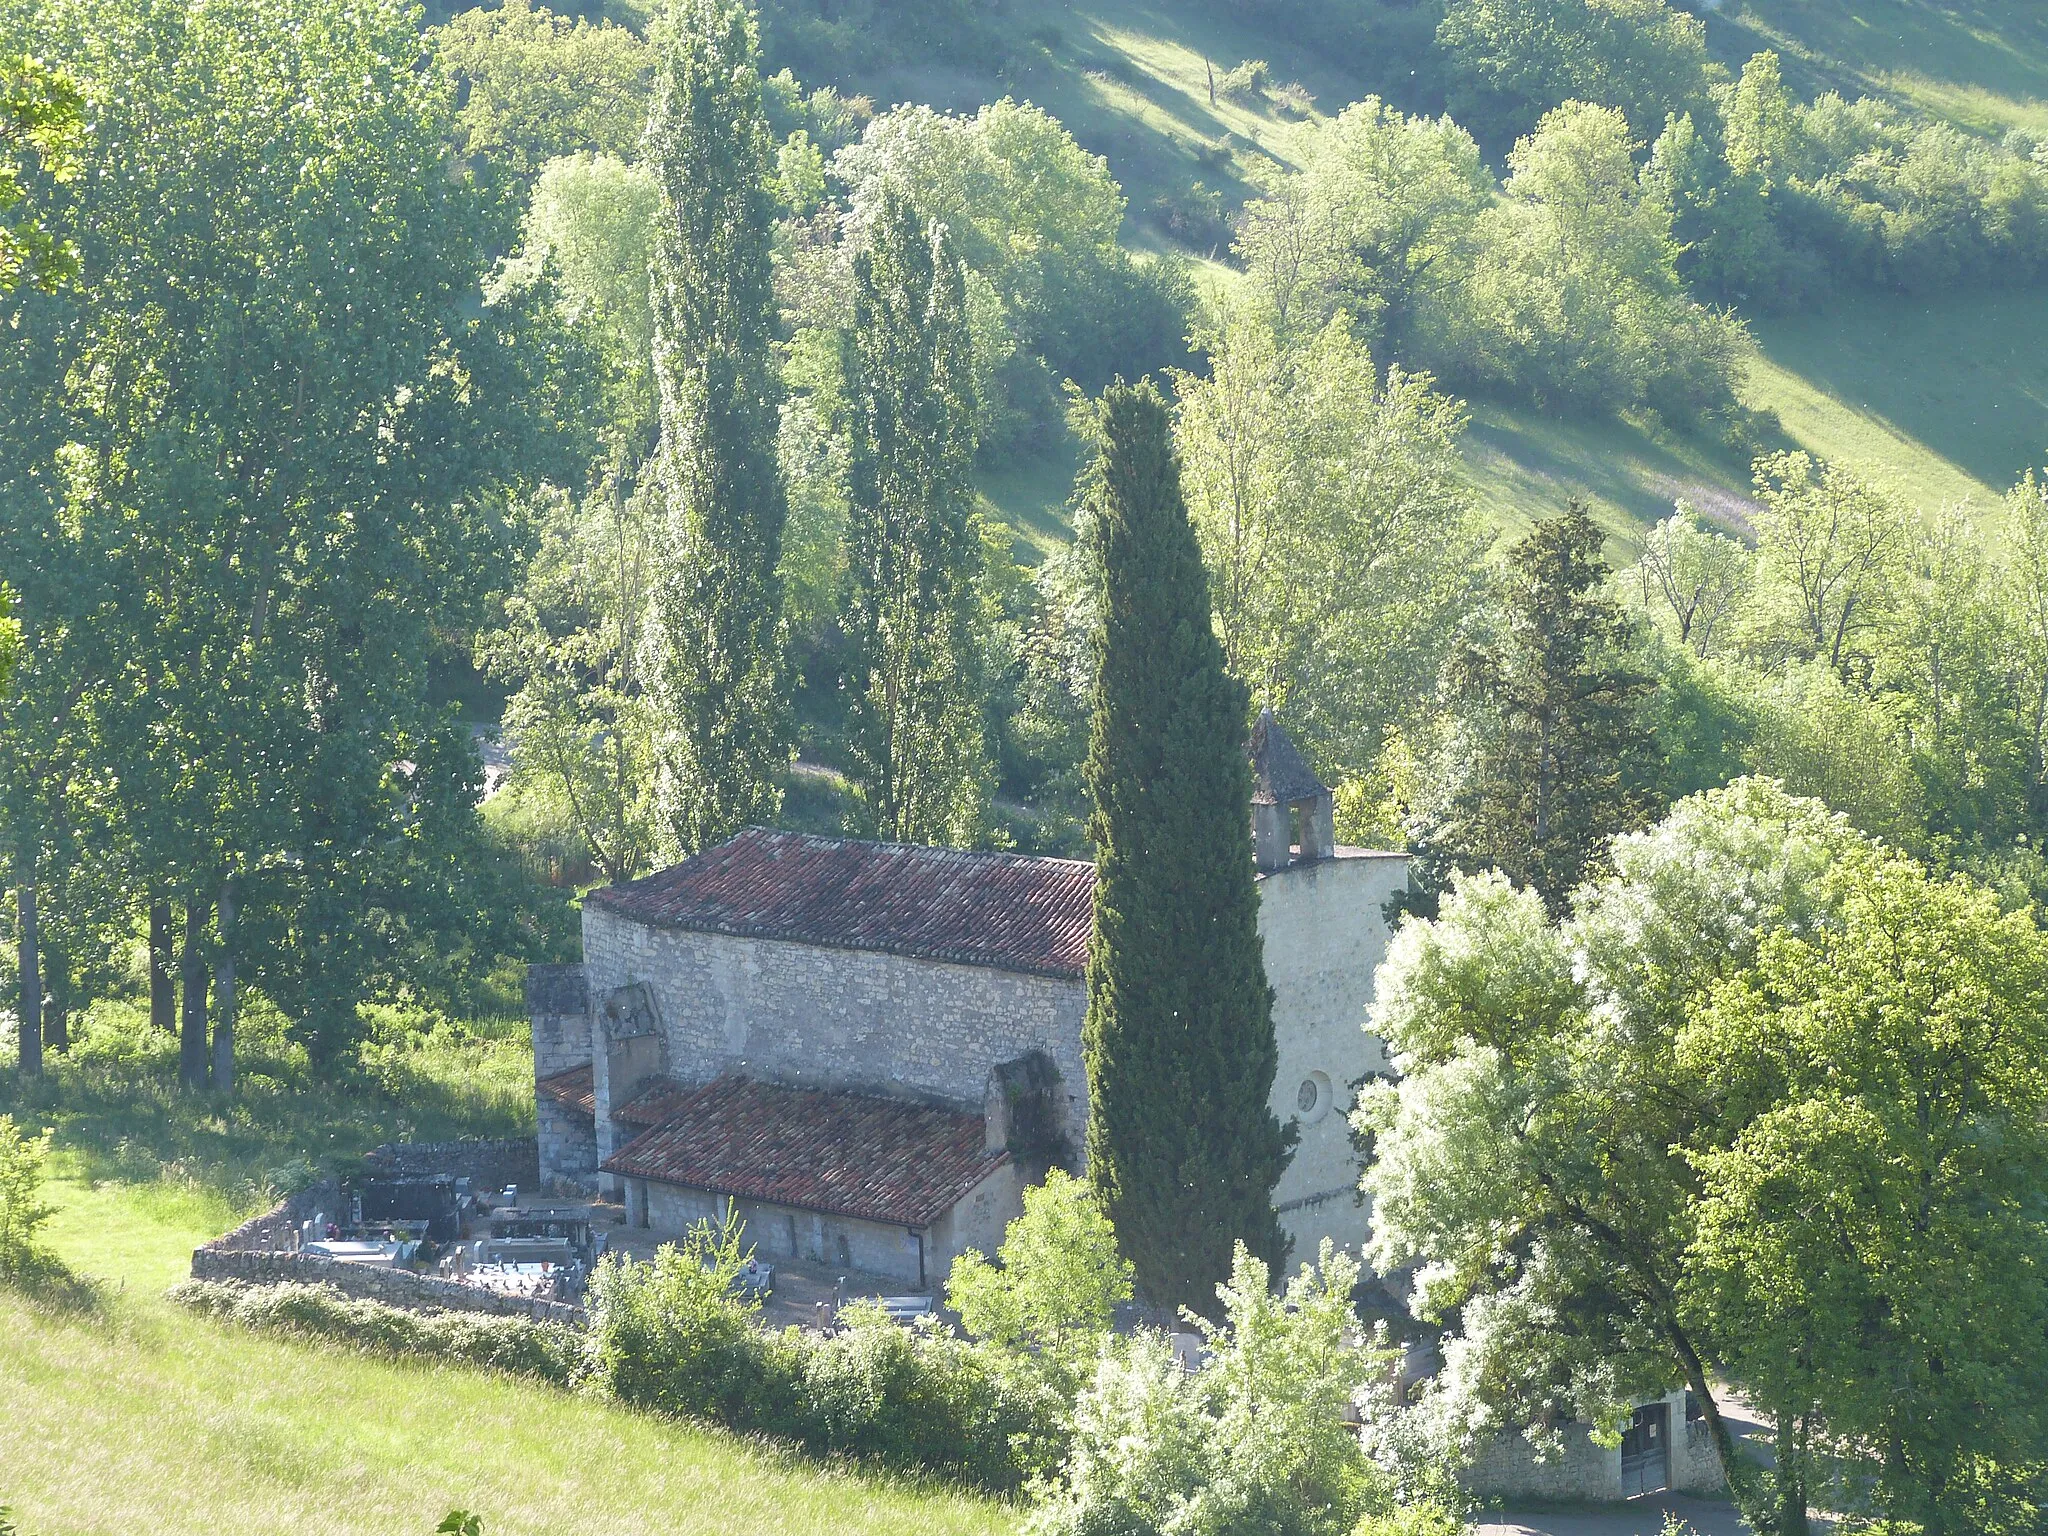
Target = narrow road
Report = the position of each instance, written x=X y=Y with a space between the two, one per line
x=1638 y=1517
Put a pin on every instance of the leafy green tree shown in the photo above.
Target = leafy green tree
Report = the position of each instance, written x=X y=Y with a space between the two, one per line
x=1763 y=127
x=1037 y=217
x=1729 y=243
x=1336 y=524
x=1513 y=60
x=1377 y=224
x=1059 y=1283
x=1869 y=1243
x=2021 y=598
x=298 y=485
x=538 y=85
x=1691 y=582
x=1575 y=294
x=1183 y=1146
x=1531 y=1158
x=591 y=225
x=917 y=696
x=581 y=723
x=40 y=127
x=714 y=665
x=1831 y=550
x=1548 y=757
x=1837 y=743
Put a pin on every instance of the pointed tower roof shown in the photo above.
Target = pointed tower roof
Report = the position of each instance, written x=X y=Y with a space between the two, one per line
x=1280 y=774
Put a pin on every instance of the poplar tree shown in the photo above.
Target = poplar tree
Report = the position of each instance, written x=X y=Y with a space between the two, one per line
x=918 y=699
x=1183 y=1146
x=713 y=665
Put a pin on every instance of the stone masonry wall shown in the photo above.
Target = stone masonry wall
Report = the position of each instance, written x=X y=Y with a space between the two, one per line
x=813 y=1016
x=1324 y=932
x=558 y=1003
x=489 y=1164
x=394 y=1287
x=568 y=1144
x=271 y=1231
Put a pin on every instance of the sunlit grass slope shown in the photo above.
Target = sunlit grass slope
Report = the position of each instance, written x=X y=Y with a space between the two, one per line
x=1981 y=63
x=148 y=1422
x=1943 y=400
x=144 y=1421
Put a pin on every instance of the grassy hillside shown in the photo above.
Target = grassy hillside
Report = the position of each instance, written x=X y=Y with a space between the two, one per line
x=147 y=1422
x=1947 y=401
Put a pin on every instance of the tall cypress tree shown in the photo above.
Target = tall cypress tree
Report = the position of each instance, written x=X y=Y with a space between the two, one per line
x=1182 y=1142
x=714 y=664
x=918 y=698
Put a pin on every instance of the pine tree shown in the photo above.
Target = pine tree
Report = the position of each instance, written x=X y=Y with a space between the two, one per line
x=1183 y=1145
x=1549 y=758
x=714 y=666
x=918 y=697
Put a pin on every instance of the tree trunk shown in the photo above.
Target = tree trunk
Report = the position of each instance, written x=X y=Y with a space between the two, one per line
x=192 y=966
x=163 y=991
x=1744 y=1476
x=56 y=969
x=29 y=1010
x=1789 y=1476
x=224 y=993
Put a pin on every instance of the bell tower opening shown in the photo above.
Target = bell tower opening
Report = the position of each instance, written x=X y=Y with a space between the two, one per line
x=1294 y=814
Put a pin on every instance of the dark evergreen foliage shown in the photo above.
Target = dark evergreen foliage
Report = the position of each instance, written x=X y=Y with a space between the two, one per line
x=1182 y=1144
x=1551 y=756
x=715 y=659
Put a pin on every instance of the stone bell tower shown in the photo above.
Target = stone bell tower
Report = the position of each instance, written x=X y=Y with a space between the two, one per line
x=1293 y=812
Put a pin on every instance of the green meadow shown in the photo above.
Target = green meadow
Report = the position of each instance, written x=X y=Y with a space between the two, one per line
x=137 y=1419
x=1945 y=400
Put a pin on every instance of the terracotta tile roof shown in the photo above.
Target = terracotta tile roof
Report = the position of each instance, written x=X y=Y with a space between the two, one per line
x=653 y=1104
x=573 y=1088
x=1009 y=911
x=842 y=1154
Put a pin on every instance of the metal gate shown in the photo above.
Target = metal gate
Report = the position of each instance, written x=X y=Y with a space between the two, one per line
x=1646 y=1452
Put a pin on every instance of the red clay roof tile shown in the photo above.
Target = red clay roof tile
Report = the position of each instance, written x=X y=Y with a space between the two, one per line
x=843 y=1154
x=1009 y=911
x=573 y=1088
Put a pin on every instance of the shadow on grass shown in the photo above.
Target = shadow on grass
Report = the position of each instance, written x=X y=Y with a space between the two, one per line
x=1993 y=45
x=48 y=1284
x=119 y=1114
x=1965 y=375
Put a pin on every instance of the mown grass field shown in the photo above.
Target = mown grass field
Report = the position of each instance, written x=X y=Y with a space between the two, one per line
x=1945 y=401
x=140 y=1420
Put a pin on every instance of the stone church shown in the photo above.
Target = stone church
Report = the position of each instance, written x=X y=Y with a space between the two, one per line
x=868 y=1050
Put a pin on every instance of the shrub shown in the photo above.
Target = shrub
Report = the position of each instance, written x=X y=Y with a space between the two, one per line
x=1294 y=99
x=677 y=1336
x=1245 y=83
x=1415 y=1520
x=22 y=1209
x=1255 y=1442
x=917 y=1399
x=547 y=1351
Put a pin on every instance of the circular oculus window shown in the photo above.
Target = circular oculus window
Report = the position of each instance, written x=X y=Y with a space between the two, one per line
x=1313 y=1099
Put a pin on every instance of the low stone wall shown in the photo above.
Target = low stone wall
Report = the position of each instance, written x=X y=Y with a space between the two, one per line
x=259 y=1250
x=394 y=1287
x=271 y=1231
x=489 y=1164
